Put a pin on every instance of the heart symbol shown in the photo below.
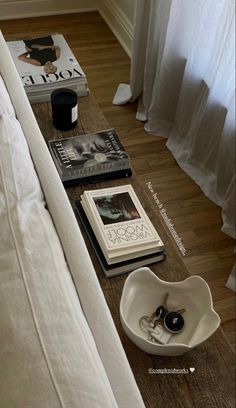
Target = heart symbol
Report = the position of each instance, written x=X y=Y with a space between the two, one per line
x=192 y=369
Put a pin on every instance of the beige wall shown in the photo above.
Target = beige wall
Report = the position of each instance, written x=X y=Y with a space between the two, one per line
x=128 y=7
x=30 y=8
x=119 y=15
x=19 y=8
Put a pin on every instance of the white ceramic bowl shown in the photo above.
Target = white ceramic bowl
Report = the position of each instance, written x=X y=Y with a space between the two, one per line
x=143 y=292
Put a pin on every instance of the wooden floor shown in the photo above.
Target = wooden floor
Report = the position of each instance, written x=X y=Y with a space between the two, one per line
x=196 y=220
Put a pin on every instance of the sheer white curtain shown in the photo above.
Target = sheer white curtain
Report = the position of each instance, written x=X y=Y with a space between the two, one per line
x=183 y=72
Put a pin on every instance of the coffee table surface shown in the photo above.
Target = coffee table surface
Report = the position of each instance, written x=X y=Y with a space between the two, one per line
x=212 y=382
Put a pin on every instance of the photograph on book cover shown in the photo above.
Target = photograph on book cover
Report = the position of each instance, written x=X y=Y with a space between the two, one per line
x=89 y=155
x=44 y=60
x=91 y=150
x=116 y=208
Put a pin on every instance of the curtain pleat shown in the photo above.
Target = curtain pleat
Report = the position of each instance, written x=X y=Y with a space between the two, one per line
x=183 y=75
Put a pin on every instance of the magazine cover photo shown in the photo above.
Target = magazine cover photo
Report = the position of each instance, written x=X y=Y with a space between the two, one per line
x=44 y=59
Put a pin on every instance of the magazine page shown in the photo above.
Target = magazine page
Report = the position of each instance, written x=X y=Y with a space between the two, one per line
x=121 y=220
x=44 y=60
x=90 y=154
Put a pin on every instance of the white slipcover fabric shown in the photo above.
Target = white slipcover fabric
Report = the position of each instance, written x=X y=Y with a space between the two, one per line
x=90 y=295
x=5 y=101
x=47 y=352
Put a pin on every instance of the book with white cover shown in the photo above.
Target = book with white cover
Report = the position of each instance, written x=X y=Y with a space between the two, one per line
x=120 y=223
x=120 y=267
x=47 y=63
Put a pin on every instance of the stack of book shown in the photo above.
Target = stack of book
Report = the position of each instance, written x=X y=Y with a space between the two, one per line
x=119 y=229
x=45 y=64
x=90 y=158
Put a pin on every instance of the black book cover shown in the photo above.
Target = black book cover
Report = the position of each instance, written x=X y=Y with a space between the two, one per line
x=120 y=267
x=90 y=155
x=98 y=178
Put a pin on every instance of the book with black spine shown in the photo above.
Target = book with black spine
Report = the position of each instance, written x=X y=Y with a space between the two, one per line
x=119 y=267
x=90 y=158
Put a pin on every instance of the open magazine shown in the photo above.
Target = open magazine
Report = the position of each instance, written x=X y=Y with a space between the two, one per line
x=45 y=64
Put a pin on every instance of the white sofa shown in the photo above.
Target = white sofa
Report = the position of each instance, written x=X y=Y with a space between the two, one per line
x=58 y=343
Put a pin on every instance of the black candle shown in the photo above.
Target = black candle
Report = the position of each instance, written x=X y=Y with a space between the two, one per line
x=64 y=109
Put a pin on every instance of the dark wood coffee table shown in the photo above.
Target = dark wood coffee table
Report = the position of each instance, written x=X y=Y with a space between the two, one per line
x=211 y=385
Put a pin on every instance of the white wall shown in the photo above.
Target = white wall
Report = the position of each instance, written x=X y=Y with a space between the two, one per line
x=118 y=14
x=128 y=8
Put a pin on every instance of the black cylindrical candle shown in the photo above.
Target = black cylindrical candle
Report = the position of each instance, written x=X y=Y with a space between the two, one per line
x=64 y=109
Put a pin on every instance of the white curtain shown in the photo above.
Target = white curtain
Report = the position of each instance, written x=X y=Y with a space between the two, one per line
x=183 y=73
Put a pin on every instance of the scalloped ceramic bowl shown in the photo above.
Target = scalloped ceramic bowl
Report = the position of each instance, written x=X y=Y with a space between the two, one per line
x=143 y=292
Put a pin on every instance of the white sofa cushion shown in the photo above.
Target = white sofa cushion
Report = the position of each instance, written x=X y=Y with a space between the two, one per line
x=47 y=353
x=5 y=101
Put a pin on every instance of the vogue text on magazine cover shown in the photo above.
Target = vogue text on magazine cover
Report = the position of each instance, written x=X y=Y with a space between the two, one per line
x=44 y=60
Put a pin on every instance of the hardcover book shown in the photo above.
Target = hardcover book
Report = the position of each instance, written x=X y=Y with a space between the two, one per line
x=90 y=157
x=119 y=267
x=120 y=224
x=47 y=63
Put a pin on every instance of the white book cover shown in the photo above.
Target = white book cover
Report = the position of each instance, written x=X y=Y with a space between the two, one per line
x=45 y=60
x=119 y=220
x=123 y=254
